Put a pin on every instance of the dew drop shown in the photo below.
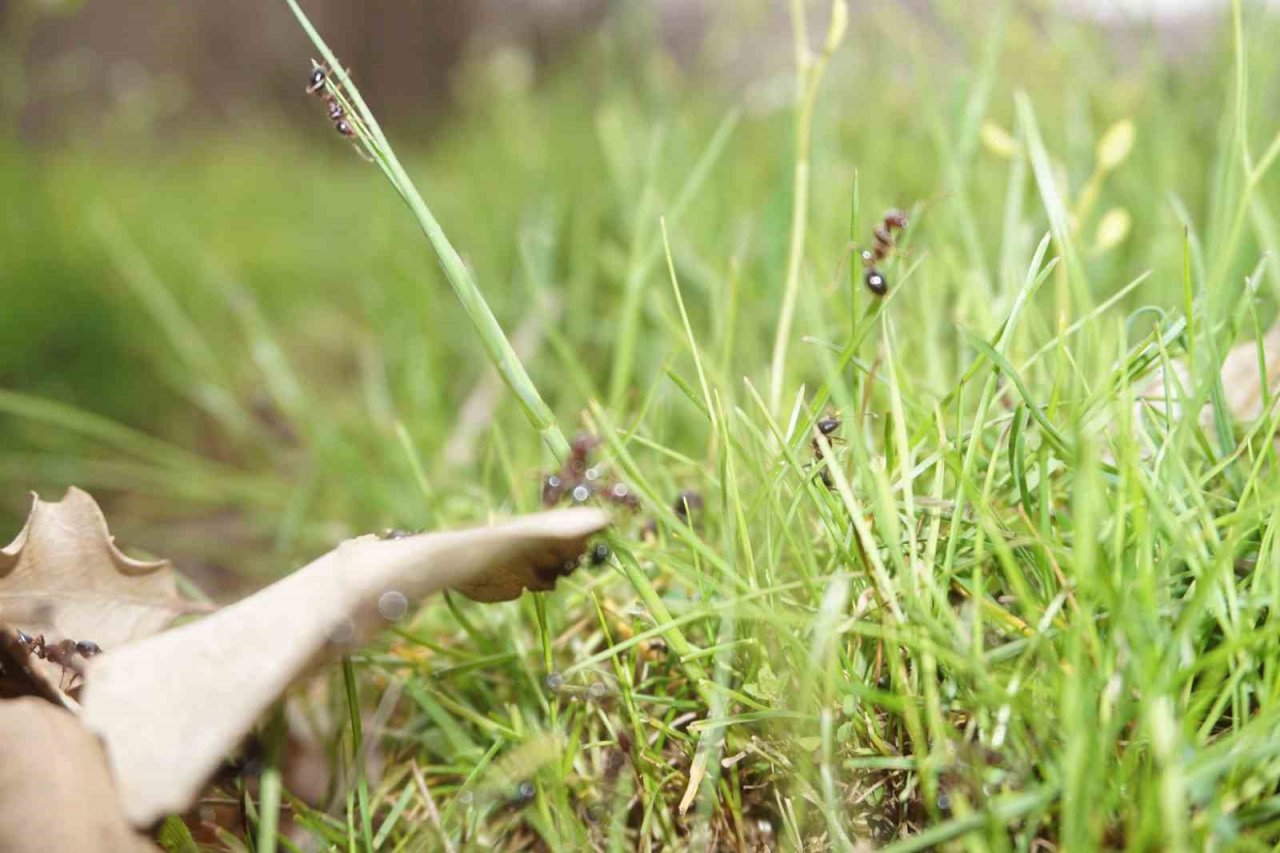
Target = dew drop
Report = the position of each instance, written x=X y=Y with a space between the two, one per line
x=392 y=605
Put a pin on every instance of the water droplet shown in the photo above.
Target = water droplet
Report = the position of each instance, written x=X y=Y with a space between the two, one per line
x=581 y=493
x=598 y=690
x=554 y=681
x=393 y=605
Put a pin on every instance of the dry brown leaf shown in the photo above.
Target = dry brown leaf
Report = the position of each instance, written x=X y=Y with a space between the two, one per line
x=64 y=577
x=170 y=707
x=56 y=793
x=1241 y=381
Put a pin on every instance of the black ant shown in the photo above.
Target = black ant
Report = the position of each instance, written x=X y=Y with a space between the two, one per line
x=827 y=425
x=687 y=503
x=318 y=84
x=579 y=481
x=551 y=572
x=883 y=245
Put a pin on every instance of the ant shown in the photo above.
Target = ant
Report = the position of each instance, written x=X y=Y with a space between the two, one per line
x=596 y=556
x=687 y=503
x=579 y=480
x=318 y=84
x=827 y=425
x=61 y=653
x=883 y=245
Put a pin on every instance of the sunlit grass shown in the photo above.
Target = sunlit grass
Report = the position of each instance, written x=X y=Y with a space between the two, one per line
x=1020 y=612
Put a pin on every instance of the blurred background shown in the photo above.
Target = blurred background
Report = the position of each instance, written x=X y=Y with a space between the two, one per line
x=218 y=318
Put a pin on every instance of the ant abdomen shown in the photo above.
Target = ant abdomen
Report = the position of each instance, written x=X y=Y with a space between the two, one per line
x=876 y=282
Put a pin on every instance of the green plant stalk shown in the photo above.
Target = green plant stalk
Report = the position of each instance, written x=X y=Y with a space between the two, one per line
x=357 y=751
x=495 y=342
x=270 y=786
x=808 y=77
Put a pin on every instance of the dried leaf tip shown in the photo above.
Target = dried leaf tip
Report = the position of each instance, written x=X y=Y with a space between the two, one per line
x=63 y=576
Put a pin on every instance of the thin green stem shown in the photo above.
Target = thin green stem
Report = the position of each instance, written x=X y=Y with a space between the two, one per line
x=357 y=749
x=495 y=342
x=809 y=73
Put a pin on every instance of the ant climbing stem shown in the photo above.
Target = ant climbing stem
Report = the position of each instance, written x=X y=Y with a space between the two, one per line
x=883 y=245
x=321 y=85
x=827 y=425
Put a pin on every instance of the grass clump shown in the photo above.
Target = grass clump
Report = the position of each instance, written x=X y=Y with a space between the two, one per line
x=1028 y=609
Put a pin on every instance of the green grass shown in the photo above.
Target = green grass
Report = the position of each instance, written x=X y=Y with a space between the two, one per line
x=1021 y=613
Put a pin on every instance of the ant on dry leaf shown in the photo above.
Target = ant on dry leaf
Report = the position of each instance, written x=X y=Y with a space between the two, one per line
x=596 y=557
x=62 y=653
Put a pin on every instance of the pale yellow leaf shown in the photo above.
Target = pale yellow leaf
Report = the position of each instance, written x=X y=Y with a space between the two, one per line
x=697 y=772
x=170 y=707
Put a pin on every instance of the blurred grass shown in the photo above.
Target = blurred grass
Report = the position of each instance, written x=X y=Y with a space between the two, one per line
x=1000 y=626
